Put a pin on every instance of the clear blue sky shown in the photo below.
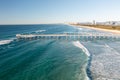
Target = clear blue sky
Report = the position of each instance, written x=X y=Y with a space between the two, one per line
x=57 y=11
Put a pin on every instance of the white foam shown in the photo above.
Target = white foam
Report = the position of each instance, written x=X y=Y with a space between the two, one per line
x=112 y=49
x=40 y=31
x=80 y=28
x=2 y=42
x=78 y=44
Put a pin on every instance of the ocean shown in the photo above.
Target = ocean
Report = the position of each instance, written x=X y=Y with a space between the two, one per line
x=55 y=59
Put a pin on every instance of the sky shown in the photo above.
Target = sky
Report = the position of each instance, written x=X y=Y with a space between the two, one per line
x=58 y=11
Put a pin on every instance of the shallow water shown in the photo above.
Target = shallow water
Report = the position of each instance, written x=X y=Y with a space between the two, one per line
x=105 y=64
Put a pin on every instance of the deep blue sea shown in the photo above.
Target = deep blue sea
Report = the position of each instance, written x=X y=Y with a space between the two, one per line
x=56 y=59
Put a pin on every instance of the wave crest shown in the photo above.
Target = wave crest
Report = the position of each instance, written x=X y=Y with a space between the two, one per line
x=40 y=31
x=2 y=42
x=78 y=44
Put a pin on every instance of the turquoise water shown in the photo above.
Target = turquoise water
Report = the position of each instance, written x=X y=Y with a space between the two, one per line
x=40 y=59
x=56 y=59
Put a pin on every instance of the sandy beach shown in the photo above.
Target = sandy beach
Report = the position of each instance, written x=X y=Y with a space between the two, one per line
x=100 y=29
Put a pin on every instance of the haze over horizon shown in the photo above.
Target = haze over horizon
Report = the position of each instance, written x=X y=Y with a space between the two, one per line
x=57 y=11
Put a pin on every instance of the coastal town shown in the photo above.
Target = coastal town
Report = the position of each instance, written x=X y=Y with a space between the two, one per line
x=111 y=23
x=110 y=26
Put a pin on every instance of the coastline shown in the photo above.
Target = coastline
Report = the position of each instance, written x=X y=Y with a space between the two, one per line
x=99 y=29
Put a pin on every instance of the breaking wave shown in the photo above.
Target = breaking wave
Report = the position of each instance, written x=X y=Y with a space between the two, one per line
x=38 y=31
x=79 y=45
x=3 y=42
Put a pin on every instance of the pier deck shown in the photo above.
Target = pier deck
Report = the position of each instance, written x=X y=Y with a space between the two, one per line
x=67 y=36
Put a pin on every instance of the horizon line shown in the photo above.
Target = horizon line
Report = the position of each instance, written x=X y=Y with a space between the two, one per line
x=32 y=24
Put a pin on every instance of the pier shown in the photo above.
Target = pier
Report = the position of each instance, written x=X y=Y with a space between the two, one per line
x=70 y=36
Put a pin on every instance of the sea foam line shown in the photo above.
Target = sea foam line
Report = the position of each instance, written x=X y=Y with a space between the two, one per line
x=78 y=44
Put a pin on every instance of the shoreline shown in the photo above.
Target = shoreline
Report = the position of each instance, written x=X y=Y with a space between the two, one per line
x=99 y=29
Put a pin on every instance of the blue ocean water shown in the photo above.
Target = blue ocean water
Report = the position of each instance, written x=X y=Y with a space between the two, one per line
x=40 y=59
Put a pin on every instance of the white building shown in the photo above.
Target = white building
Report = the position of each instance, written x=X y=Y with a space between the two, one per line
x=115 y=23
